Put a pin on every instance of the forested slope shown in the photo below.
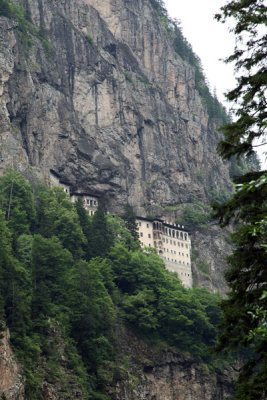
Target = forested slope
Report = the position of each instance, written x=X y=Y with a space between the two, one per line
x=68 y=280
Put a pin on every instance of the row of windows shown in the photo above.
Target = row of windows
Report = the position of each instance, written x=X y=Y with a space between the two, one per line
x=175 y=261
x=141 y=235
x=174 y=252
x=170 y=232
x=174 y=243
x=171 y=241
x=181 y=273
x=175 y=234
x=91 y=202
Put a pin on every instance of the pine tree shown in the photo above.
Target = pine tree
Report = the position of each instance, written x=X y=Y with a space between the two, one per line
x=130 y=221
x=86 y=225
x=247 y=275
x=101 y=237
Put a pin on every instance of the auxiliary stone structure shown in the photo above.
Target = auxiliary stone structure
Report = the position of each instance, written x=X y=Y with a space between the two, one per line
x=172 y=243
x=90 y=202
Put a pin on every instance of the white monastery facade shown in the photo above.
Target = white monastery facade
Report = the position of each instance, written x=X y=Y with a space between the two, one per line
x=172 y=243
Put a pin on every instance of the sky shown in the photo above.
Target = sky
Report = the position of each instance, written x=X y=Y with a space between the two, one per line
x=211 y=41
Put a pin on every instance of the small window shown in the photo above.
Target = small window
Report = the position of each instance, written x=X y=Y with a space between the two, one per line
x=166 y=240
x=174 y=242
x=149 y=236
x=87 y=201
x=91 y=202
x=139 y=223
x=141 y=234
x=149 y=245
x=147 y=225
x=170 y=241
x=186 y=246
x=182 y=244
x=95 y=203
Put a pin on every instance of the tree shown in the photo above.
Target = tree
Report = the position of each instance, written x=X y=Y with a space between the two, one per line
x=130 y=221
x=101 y=237
x=250 y=95
x=247 y=275
x=86 y=225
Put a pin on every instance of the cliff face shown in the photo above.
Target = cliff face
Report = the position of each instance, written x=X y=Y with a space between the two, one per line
x=145 y=373
x=11 y=381
x=166 y=375
x=106 y=102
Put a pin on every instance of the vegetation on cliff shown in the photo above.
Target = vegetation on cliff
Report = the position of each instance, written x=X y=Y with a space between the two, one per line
x=244 y=312
x=184 y=49
x=66 y=278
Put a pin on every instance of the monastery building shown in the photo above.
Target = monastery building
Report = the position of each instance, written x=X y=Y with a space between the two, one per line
x=172 y=243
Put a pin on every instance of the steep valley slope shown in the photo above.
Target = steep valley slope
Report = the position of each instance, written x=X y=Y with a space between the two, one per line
x=97 y=93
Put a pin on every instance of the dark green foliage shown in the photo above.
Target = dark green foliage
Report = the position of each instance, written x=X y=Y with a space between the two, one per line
x=250 y=92
x=155 y=302
x=195 y=215
x=101 y=238
x=130 y=222
x=5 y=8
x=86 y=225
x=57 y=299
x=247 y=277
x=247 y=274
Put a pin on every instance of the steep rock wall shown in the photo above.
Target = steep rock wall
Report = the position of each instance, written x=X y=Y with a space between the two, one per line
x=11 y=381
x=107 y=104
x=167 y=375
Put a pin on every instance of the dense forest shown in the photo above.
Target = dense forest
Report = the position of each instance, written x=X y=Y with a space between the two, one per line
x=70 y=278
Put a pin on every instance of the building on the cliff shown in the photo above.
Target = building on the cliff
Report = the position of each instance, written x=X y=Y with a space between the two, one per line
x=90 y=202
x=54 y=180
x=172 y=243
